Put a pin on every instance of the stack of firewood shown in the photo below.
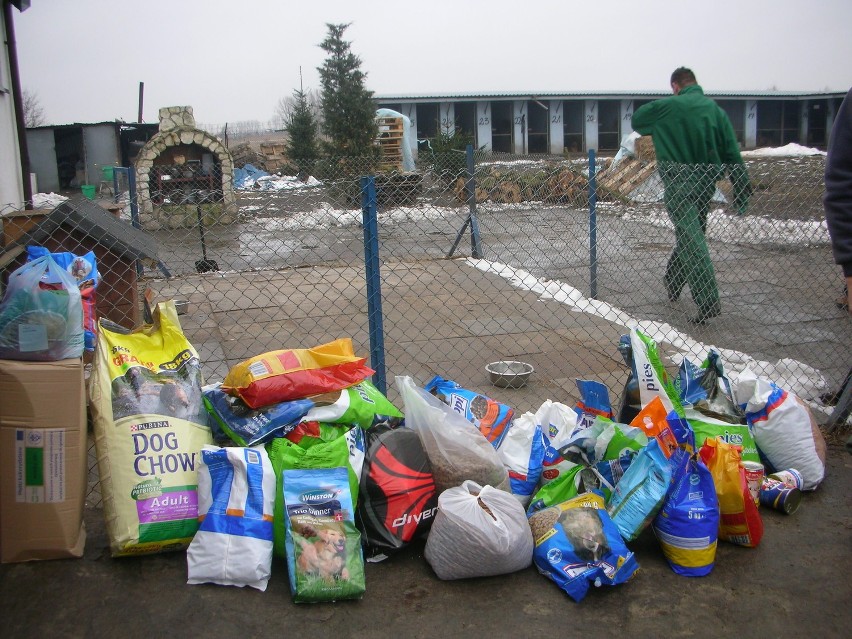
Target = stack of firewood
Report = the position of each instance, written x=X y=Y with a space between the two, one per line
x=562 y=185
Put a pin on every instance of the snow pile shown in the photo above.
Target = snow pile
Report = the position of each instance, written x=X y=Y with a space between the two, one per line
x=790 y=150
x=47 y=200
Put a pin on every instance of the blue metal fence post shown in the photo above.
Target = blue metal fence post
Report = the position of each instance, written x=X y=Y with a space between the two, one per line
x=374 y=289
x=115 y=196
x=593 y=228
x=131 y=193
x=475 y=242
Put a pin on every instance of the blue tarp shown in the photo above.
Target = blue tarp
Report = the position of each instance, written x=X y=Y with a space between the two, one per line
x=245 y=177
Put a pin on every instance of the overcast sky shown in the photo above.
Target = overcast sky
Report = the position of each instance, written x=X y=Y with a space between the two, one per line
x=233 y=61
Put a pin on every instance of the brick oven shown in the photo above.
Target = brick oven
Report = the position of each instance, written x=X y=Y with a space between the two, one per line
x=180 y=170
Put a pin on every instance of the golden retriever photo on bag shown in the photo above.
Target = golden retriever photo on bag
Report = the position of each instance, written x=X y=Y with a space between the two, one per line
x=325 y=557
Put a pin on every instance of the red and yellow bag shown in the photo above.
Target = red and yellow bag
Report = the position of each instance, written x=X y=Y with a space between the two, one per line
x=282 y=376
x=739 y=520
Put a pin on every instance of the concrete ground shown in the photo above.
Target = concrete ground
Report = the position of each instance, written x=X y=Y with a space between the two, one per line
x=793 y=585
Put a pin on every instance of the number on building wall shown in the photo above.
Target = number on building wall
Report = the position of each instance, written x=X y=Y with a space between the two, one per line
x=556 y=119
x=484 y=121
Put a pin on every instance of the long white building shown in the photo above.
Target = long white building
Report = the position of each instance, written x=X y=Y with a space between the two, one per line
x=554 y=123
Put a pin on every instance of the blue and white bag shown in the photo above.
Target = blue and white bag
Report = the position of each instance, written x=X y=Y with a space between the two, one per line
x=236 y=494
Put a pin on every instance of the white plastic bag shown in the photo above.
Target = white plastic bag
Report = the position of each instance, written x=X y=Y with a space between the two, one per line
x=558 y=422
x=456 y=451
x=782 y=426
x=41 y=315
x=479 y=532
x=236 y=494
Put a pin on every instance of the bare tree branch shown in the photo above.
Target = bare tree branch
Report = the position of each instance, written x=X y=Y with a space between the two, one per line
x=33 y=111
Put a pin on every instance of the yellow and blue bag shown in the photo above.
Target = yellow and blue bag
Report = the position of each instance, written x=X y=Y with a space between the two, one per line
x=687 y=525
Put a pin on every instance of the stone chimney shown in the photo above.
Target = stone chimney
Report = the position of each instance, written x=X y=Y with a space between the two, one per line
x=176 y=117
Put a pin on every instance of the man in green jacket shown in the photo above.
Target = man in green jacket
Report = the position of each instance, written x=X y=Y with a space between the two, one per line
x=696 y=146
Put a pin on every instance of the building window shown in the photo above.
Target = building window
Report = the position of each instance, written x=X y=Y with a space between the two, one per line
x=609 y=132
x=538 y=127
x=735 y=110
x=572 y=114
x=466 y=118
x=427 y=120
x=501 y=126
x=777 y=122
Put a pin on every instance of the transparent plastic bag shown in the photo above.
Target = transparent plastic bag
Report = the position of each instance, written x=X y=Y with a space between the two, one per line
x=41 y=315
x=456 y=451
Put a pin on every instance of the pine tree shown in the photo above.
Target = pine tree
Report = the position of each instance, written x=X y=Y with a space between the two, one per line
x=348 y=109
x=301 y=126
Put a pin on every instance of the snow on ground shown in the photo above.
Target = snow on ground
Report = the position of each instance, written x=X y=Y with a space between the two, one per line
x=746 y=229
x=326 y=216
x=800 y=379
x=721 y=226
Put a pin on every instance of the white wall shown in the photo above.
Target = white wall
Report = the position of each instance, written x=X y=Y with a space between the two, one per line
x=591 y=115
x=11 y=188
x=519 y=128
x=557 y=127
x=483 y=125
x=751 y=124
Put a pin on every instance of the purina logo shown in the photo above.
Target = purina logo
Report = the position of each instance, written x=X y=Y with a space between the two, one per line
x=34 y=438
x=318 y=496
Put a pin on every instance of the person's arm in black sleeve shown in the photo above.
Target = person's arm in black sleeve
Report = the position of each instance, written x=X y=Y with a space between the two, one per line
x=838 y=189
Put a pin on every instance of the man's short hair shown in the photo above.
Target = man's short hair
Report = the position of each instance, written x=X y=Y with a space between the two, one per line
x=683 y=77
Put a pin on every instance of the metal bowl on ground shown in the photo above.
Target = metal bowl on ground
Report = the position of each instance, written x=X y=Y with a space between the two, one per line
x=182 y=306
x=509 y=374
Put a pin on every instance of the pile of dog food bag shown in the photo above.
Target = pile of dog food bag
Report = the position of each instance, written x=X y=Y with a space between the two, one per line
x=297 y=459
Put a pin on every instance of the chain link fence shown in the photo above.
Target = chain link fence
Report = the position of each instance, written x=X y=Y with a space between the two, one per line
x=443 y=270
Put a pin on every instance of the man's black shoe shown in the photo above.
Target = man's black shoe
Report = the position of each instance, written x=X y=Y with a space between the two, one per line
x=673 y=296
x=703 y=316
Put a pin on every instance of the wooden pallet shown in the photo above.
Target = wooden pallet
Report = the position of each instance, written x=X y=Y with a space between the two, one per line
x=625 y=177
x=389 y=141
x=390 y=128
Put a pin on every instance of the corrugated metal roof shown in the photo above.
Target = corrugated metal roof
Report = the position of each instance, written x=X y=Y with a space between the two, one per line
x=531 y=95
x=76 y=125
x=93 y=220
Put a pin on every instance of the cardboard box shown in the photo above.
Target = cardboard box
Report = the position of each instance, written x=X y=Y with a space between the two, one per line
x=42 y=460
